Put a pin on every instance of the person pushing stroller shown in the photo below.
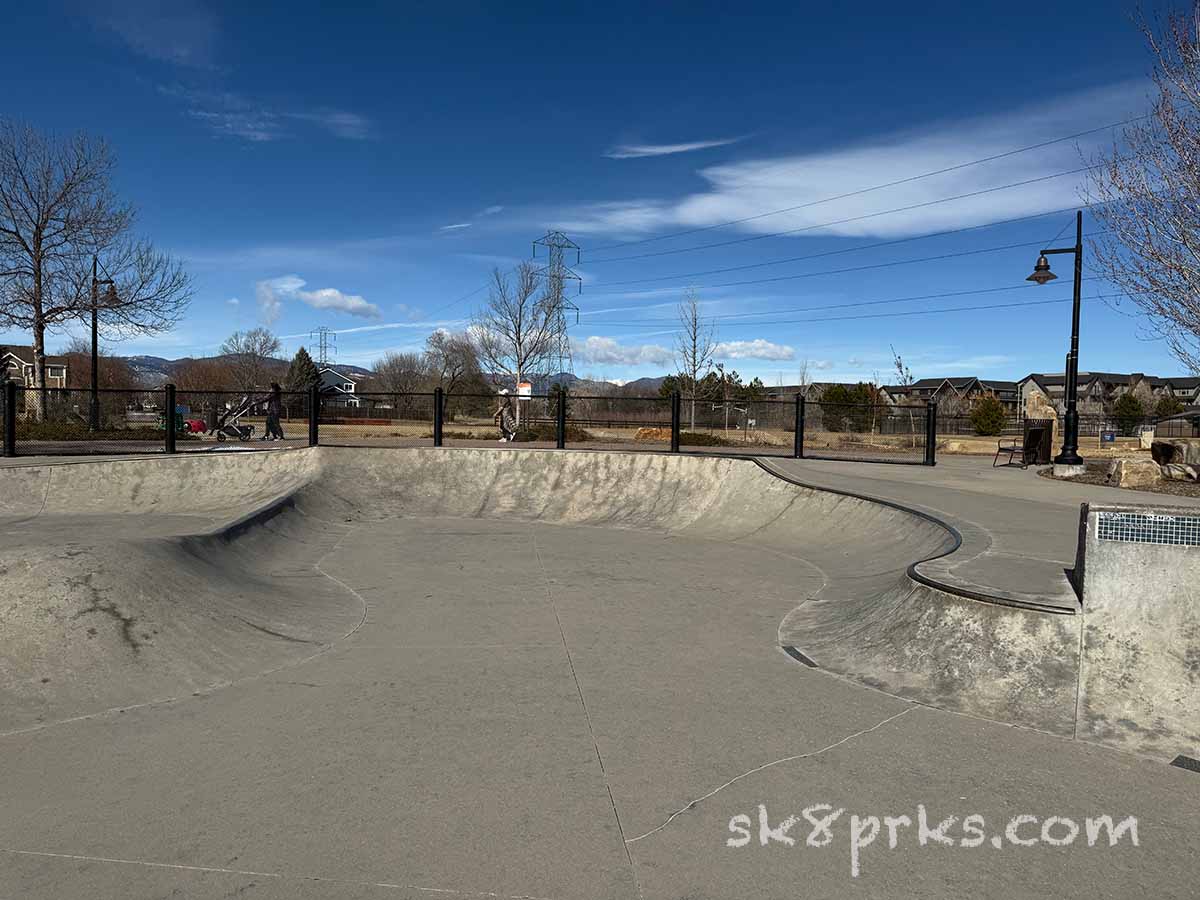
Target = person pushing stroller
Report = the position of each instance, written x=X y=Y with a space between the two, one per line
x=274 y=408
x=504 y=417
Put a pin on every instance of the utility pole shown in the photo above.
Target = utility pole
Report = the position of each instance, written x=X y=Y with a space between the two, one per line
x=326 y=342
x=94 y=410
x=555 y=272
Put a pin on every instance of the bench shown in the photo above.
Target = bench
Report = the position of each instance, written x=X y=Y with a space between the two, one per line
x=1033 y=447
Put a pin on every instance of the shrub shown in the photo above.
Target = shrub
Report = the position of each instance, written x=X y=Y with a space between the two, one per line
x=1128 y=412
x=847 y=408
x=988 y=415
x=1167 y=406
x=547 y=431
x=71 y=431
x=701 y=439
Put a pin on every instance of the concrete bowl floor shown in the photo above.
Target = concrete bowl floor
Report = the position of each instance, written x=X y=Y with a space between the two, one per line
x=373 y=674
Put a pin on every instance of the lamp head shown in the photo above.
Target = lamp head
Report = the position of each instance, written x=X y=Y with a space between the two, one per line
x=1041 y=271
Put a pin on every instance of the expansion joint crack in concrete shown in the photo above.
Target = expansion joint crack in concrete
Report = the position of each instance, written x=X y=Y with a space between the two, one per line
x=675 y=815
x=250 y=873
x=586 y=715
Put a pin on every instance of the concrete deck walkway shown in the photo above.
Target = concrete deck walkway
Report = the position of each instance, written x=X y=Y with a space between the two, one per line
x=1019 y=530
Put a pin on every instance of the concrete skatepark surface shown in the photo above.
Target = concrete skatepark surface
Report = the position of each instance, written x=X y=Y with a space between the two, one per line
x=410 y=673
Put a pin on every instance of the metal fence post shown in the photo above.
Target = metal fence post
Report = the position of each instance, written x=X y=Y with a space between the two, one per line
x=931 y=433
x=169 y=419
x=675 y=417
x=10 y=418
x=560 y=424
x=798 y=448
x=438 y=404
x=314 y=414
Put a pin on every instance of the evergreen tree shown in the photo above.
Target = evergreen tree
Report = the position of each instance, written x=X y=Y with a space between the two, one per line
x=302 y=373
x=1129 y=412
x=988 y=415
x=1167 y=406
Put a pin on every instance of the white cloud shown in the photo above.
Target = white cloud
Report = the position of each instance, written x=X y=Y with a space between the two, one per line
x=337 y=122
x=455 y=227
x=602 y=351
x=820 y=365
x=756 y=349
x=272 y=293
x=492 y=210
x=749 y=188
x=233 y=301
x=230 y=114
x=637 y=151
x=182 y=32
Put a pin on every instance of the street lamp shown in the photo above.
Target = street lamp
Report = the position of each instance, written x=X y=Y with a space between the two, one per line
x=1069 y=456
x=110 y=297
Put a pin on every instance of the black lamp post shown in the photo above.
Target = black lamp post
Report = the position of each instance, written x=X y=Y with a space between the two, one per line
x=94 y=412
x=1069 y=456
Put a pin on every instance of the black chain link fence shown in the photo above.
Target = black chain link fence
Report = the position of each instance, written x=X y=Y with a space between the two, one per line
x=874 y=432
x=377 y=420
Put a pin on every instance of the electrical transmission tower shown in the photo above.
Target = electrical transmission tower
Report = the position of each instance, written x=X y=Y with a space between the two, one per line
x=326 y=346
x=555 y=273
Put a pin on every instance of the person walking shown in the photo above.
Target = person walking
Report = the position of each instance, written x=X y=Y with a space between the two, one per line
x=274 y=408
x=504 y=417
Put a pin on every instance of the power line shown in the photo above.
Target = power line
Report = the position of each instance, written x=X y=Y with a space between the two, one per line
x=874 y=215
x=914 y=312
x=857 y=303
x=875 y=246
x=900 y=262
x=878 y=187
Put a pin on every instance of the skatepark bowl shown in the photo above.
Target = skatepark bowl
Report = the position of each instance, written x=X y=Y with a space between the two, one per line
x=365 y=673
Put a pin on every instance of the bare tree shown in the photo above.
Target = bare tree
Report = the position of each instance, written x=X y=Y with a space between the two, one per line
x=695 y=345
x=451 y=359
x=115 y=373
x=1147 y=195
x=904 y=378
x=516 y=331
x=57 y=213
x=402 y=373
x=252 y=357
x=804 y=377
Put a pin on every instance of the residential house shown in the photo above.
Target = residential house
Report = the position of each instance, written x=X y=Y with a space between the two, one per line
x=16 y=363
x=957 y=394
x=338 y=388
x=1097 y=391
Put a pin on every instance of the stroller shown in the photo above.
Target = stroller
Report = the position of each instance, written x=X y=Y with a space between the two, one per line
x=229 y=422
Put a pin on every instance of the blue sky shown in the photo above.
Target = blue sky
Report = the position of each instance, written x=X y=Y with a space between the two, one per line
x=364 y=167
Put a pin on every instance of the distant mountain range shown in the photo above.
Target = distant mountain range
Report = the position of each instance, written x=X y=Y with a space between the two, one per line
x=156 y=370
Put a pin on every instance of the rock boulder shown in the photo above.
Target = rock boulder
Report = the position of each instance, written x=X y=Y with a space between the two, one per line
x=1134 y=473
x=1167 y=451
x=1180 y=472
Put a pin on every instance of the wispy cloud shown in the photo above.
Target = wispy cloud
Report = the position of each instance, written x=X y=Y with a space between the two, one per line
x=273 y=292
x=804 y=182
x=233 y=301
x=755 y=349
x=235 y=115
x=604 y=351
x=337 y=122
x=491 y=211
x=455 y=227
x=183 y=32
x=637 y=151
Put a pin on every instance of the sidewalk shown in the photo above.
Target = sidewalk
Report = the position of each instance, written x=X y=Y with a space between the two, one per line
x=1019 y=530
